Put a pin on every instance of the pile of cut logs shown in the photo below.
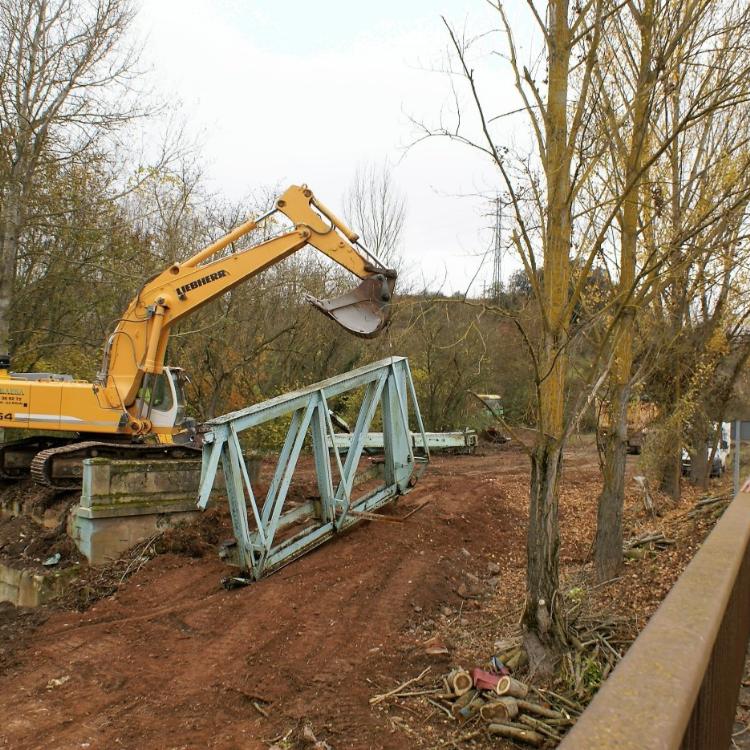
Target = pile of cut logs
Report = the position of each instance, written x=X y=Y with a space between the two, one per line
x=504 y=703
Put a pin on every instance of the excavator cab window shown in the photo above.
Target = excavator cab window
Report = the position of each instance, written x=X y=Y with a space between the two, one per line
x=162 y=395
x=162 y=398
x=156 y=393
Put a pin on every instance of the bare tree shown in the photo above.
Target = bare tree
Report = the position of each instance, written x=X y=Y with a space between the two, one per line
x=676 y=103
x=64 y=78
x=558 y=244
x=375 y=209
x=570 y=204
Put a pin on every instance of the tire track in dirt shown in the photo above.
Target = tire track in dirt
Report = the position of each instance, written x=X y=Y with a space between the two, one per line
x=174 y=661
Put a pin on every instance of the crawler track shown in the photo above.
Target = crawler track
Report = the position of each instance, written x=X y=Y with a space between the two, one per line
x=16 y=456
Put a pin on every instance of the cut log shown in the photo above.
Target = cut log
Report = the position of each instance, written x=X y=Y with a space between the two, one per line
x=463 y=700
x=524 y=735
x=378 y=698
x=514 y=724
x=539 y=726
x=506 y=645
x=459 y=682
x=509 y=686
x=502 y=709
x=535 y=708
x=516 y=660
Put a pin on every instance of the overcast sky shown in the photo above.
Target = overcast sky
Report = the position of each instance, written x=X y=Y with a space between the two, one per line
x=306 y=91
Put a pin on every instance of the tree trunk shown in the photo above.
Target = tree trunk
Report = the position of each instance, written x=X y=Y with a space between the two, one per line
x=608 y=545
x=699 y=468
x=543 y=540
x=543 y=545
x=9 y=234
x=672 y=474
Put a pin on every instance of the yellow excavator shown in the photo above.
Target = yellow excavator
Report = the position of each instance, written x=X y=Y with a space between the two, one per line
x=136 y=401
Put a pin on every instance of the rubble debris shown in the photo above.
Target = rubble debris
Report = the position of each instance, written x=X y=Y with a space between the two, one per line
x=310 y=740
x=57 y=681
x=52 y=560
x=235 y=582
x=507 y=644
x=435 y=647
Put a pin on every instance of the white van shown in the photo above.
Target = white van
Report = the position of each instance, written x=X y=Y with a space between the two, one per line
x=719 y=465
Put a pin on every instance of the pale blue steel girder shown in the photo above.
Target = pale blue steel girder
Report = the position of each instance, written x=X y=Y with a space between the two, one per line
x=387 y=383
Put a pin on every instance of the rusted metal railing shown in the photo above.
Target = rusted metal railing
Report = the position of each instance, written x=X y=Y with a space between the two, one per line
x=677 y=686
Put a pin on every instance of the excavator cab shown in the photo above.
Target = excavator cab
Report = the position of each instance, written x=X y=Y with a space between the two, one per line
x=162 y=398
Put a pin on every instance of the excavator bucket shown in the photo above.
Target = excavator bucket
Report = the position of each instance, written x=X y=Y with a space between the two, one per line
x=366 y=310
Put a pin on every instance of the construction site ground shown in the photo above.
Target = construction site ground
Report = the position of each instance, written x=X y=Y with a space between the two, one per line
x=170 y=659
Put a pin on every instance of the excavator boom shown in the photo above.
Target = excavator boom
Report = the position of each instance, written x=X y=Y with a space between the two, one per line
x=138 y=345
x=135 y=396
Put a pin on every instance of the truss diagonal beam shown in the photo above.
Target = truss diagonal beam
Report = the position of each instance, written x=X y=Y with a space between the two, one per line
x=281 y=531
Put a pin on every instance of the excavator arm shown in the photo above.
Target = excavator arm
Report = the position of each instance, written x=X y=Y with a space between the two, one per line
x=138 y=345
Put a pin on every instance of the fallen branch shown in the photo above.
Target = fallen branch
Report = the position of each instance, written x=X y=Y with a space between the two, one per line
x=540 y=726
x=638 y=547
x=445 y=710
x=525 y=735
x=534 y=708
x=367 y=516
x=559 y=699
x=710 y=505
x=411 y=693
x=379 y=698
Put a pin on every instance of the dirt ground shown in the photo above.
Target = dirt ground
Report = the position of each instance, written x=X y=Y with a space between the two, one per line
x=172 y=660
